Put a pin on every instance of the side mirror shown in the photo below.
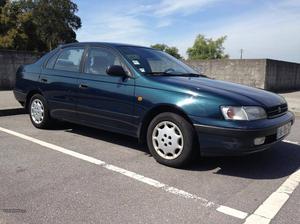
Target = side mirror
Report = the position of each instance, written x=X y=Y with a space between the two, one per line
x=116 y=70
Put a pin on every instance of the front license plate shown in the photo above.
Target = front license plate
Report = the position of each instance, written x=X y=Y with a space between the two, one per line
x=283 y=130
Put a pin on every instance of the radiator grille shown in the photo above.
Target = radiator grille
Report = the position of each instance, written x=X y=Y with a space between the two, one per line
x=277 y=111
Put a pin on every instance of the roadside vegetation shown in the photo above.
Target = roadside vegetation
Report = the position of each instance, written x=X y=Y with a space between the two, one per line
x=170 y=50
x=203 y=48
x=37 y=25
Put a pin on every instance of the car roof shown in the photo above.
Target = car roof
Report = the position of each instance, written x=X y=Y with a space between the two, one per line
x=109 y=44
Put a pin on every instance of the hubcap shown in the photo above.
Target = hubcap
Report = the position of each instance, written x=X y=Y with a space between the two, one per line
x=37 y=111
x=167 y=140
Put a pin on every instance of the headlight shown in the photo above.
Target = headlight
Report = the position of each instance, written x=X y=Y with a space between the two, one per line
x=247 y=113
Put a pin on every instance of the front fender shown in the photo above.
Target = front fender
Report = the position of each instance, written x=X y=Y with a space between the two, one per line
x=191 y=103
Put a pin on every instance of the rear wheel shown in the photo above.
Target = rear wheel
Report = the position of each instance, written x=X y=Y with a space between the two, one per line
x=39 y=112
x=170 y=139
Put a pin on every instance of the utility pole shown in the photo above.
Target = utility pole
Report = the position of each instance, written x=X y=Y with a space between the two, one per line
x=242 y=51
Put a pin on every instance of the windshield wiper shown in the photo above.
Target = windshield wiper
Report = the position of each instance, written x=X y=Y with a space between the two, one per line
x=193 y=75
x=160 y=73
x=177 y=74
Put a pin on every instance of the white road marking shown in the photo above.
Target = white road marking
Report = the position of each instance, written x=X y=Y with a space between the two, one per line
x=54 y=147
x=232 y=212
x=287 y=141
x=272 y=205
x=135 y=176
x=173 y=190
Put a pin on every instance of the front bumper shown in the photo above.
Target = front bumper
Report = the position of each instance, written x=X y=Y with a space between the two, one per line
x=222 y=141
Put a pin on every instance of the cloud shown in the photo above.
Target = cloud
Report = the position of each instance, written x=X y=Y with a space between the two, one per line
x=269 y=32
x=164 y=11
x=169 y=7
x=135 y=22
x=164 y=23
x=114 y=27
x=289 y=3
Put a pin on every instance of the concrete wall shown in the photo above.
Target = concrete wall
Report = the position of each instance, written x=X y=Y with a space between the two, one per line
x=269 y=74
x=9 y=63
x=247 y=72
x=282 y=76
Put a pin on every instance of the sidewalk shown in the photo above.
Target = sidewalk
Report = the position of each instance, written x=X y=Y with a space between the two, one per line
x=8 y=103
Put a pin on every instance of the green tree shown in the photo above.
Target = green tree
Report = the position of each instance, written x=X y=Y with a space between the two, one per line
x=207 y=48
x=170 y=50
x=38 y=25
x=56 y=21
x=16 y=25
x=3 y=2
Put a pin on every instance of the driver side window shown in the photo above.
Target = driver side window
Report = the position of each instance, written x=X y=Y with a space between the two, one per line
x=99 y=59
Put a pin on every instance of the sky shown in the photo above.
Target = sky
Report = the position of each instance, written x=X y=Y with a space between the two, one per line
x=262 y=28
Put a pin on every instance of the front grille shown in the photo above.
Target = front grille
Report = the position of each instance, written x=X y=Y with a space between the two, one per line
x=277 y=110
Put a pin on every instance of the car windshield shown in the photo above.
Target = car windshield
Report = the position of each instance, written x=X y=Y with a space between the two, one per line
x=154 y=62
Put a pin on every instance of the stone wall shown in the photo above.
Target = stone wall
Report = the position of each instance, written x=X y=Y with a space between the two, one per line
x=247 y=72
x=9 y=63
x=269 y=74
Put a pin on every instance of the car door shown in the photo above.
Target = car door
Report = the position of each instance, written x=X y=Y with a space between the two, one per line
x=105 y=101
x=59 y=82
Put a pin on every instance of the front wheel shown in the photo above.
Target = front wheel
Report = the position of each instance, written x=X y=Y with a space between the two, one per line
x=38 y=111
x=170 y=139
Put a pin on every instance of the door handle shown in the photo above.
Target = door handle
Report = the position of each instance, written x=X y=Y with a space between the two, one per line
x=82 y=86
x=44 y=80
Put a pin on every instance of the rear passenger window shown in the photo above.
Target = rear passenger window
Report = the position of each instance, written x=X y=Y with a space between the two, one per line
x=99 y=59
x=69 y=60
x=51 y=61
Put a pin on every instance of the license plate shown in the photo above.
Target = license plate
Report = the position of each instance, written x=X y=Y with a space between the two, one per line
x=283 y=130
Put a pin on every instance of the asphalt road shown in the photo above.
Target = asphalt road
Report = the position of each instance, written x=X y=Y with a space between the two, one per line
x=77 y=178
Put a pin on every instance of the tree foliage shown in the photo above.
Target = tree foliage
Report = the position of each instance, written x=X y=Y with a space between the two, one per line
x=38 y=25
x=170 y=50
x=3 y=2
x=207 y=48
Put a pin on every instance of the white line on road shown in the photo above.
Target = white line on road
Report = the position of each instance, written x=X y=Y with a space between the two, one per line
x=272 y=205
x=295 y=143
x=232 y=212
x=173 y=190
x=54 y=147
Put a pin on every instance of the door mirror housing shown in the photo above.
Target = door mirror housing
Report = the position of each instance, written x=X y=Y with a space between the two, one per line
x=116 y=70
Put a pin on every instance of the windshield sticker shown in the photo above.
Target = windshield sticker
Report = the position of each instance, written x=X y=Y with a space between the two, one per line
x=136 y=62
x=142 y=69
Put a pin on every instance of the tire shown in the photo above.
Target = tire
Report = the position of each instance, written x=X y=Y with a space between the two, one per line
x=170 y=139
x=39 y=112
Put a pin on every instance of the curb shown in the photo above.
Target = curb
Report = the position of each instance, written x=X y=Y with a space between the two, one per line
x=12 y=111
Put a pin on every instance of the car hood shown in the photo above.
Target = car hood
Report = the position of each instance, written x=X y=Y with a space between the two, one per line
x=239 y=93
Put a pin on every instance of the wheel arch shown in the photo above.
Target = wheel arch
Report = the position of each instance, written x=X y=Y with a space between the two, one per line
x=153 y=112
x=29 y=95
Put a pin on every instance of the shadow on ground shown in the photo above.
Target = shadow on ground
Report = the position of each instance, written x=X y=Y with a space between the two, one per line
x=111 y=137
x=13 y=111
x=279 y=161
